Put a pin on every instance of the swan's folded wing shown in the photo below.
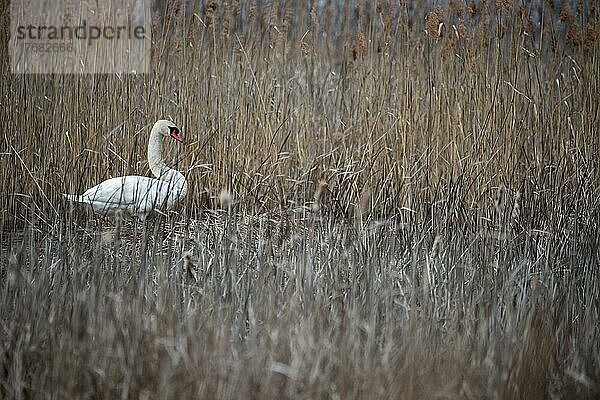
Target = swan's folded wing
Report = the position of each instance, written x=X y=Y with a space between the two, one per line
x=136 y=194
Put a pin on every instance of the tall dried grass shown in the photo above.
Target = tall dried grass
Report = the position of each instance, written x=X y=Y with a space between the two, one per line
x=411 y=209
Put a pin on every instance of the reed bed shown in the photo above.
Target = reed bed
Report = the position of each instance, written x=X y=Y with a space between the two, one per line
x=387 y=200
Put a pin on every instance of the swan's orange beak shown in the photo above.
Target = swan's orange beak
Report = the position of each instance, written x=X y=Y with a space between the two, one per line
x=175 y=135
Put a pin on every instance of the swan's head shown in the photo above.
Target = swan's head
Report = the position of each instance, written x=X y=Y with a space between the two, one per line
x=167 y=128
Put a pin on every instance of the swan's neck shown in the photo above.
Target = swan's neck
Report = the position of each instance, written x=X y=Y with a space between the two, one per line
x=155 y=158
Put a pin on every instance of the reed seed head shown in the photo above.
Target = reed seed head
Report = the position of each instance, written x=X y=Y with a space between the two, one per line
x=225 y=199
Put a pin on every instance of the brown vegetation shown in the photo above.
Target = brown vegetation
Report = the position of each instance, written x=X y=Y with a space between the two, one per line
x=381 y=206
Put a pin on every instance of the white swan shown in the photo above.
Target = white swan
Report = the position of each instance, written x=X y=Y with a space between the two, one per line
x=140 y=195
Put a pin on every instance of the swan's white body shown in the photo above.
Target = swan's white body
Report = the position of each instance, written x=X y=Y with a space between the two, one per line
x=140 y=195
